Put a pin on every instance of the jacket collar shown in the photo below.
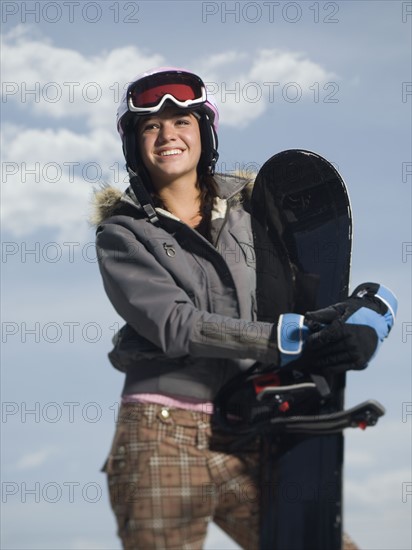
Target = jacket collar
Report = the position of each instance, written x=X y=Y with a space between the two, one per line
x=107 y=199
x=228 y=186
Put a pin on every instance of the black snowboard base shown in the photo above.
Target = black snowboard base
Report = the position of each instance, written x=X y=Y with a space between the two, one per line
x=302 y=224
x=303 y=202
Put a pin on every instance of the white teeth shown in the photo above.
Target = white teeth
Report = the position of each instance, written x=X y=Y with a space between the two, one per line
x=170 y=152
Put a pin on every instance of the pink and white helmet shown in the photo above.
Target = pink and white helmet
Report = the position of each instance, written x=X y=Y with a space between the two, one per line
x=150 y=92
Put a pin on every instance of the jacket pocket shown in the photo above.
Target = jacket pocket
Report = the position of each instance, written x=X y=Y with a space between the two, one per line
x=118 y=459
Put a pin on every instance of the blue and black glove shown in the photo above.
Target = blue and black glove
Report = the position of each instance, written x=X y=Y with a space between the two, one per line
x=344 y=336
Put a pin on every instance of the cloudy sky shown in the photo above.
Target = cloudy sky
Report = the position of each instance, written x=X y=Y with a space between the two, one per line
x=333 y=77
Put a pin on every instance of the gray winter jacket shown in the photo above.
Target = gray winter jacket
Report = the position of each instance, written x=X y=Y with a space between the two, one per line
x=190 y=305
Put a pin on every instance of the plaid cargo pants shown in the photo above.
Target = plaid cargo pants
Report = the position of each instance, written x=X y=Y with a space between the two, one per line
x=169 y=476
x=166 y=483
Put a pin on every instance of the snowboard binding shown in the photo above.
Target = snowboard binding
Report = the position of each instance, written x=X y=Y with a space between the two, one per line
x=285 y=403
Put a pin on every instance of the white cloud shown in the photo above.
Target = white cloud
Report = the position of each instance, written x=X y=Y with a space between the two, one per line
x=48 y=168
x=359 y=458
x=246 y=84
x=286 y=67
x=65 y=82
x=58 y=145
x=381 y=488
x=48 y=176
x=35 y=459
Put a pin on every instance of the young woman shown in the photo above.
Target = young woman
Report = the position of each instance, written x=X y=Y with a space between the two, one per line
x=176 y=254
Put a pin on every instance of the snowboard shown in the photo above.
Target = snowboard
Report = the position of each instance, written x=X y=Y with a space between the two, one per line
x=302 y=230
x=303 y=204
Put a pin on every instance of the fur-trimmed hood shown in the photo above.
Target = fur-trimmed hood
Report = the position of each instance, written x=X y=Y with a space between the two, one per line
x=107 y=199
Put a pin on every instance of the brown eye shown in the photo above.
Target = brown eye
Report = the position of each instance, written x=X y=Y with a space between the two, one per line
x=149 y=126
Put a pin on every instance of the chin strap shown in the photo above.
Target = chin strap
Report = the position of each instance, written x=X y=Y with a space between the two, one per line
x=209 y=141
x=143 y=196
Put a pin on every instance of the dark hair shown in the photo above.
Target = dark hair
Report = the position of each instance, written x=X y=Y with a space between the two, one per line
x=208 y=188
x=208 y=193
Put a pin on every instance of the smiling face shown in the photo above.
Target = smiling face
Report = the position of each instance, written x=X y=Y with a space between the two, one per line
x=170 y=146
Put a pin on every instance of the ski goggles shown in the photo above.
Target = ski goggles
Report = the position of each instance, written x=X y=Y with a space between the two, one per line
x=149 y=93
